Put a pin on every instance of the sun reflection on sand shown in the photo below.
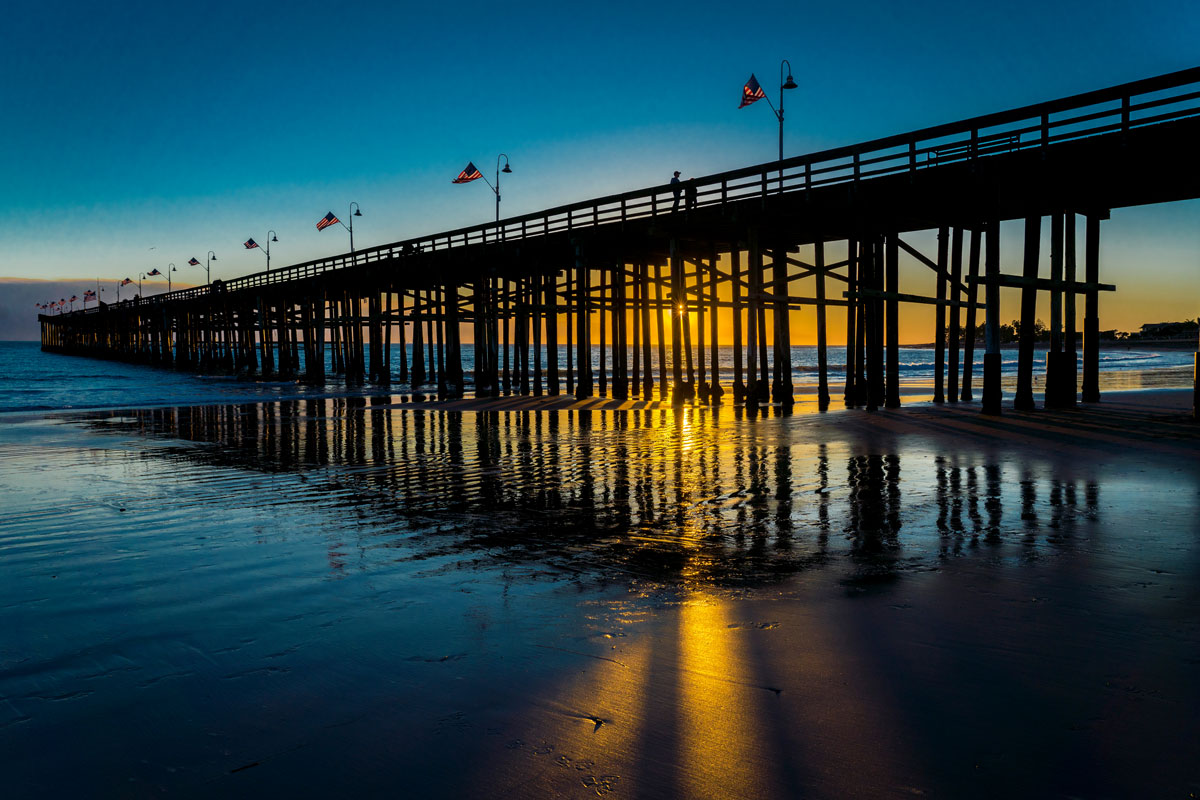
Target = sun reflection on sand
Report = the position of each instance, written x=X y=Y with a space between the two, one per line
x=723 y=751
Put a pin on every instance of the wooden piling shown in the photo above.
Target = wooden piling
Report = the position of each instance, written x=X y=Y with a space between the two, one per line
x=852 y=306
x=551 y=314
x=972 y=288
x=892 y=268
x=939 y=326
x=664 y=388
x=715 y=391
x=1090 y=389
x=954 y=334
x=1023 y=400
x=735 y=304
x=992 y=360
x=783 y=391
x=822 y=353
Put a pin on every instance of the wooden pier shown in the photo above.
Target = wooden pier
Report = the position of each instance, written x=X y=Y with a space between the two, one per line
x=610 y=275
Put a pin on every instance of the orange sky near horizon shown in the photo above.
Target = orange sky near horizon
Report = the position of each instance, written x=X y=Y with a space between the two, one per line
x=1142 y=296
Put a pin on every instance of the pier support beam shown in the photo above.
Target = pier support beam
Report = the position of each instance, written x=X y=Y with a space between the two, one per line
x=715 y=391
x=892 y=268
x=969 y=333
x=992 y=360
x=954 y=334
x=676 y=266
x=849 y=396
x=1054 y=356
x=822 y=343
x=550 y=287
x=647 y=351
x=735 y=302
x=939 y=327
x=1091 y=311
x=783 y=393
x=1023 y=400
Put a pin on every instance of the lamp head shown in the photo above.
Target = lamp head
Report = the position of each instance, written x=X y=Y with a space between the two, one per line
x=357 y=213
x=274 y=238
x=506 y=169
x=789 y=83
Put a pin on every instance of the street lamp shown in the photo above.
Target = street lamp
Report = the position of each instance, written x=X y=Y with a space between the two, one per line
x=752 y=92
x=208 y=267
x=788 y=84
x=170 y=269
x=472 y=173
x=355 y=212
x=496 y=188
x=251 y=244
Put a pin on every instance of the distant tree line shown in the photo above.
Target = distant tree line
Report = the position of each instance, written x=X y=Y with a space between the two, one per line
x=1010 y=333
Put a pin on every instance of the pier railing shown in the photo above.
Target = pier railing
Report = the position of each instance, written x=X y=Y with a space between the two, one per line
x=1117 y=109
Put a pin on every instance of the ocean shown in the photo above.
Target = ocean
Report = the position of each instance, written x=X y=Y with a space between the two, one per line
x=31 y=380
x=212 y=587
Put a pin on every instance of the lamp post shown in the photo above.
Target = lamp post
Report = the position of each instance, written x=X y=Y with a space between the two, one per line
x=788 y=84
x=208 y=266
x=753 y=92
x=141 y=275
x=355 y=211
x=170 y=269
x=271 y=237
x=496 y=188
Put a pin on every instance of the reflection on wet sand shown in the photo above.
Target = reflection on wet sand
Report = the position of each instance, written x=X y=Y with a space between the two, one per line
x=647 y=603
x=670 y=495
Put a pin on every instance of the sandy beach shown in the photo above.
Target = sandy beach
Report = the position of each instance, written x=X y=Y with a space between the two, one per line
x=353 y=596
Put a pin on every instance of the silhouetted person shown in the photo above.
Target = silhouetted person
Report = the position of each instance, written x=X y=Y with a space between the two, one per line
x=675 y=188
x=690 y=189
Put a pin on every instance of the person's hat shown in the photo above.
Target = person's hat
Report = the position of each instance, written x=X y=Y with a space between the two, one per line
x=676 y=172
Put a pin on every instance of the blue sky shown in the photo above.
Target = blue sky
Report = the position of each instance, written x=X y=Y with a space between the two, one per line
x=132 y=126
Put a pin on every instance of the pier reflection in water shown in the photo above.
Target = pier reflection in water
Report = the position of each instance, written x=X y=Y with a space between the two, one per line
x=327 y=593
x=689 y=496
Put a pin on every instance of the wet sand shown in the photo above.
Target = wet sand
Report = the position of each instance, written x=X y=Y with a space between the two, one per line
x=355 y=596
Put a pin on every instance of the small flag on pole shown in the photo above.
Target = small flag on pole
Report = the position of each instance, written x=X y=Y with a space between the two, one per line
x=153 y=272
x=127 y=281
x=469 y=174
x=193 y=262
x=250 y=244
x=89 y=295
x=751 y=92
x=326 y=221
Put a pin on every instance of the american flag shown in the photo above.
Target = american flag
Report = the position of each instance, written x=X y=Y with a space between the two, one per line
x=250 y=244
x=469 y=174
x=153 y=272
x=326 y=221
x=751 y=92
x=193 y=262
x=127 y=281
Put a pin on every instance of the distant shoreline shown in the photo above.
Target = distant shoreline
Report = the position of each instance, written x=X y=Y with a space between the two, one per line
x=1153 y=344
